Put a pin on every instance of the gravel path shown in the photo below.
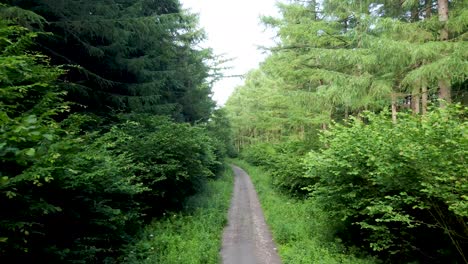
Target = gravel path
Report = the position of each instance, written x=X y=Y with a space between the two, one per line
x=246 y=239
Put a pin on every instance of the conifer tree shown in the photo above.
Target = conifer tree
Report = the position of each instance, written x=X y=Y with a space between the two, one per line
x=345 y=57
x=124 y=55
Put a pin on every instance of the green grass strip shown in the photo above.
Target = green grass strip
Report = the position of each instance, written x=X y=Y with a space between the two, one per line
x=193 y=236
x=301 y=230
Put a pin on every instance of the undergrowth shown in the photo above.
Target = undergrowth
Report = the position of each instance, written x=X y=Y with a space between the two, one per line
x=301 y=230
x=193 y=236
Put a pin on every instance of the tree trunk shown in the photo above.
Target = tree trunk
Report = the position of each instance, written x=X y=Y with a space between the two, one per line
x=414 y=14
x=444 y=92
x=424 y=97
x=428 y=11
x=444 y=85
x=415 y=101
x=443 y=18
x=394 y=108
x=424 y=92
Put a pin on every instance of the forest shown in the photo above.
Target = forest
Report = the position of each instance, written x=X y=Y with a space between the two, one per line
x=106 y=122
x=360 y=109
x=112 y=149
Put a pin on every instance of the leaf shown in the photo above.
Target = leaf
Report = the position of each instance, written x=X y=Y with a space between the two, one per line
x=31 y=119
x=48 y=136
x=30 y=152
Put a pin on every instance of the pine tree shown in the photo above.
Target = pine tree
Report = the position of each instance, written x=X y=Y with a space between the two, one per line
x=124 y=55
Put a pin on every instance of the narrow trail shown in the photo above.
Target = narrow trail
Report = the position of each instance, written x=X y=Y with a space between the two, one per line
x=247 y=239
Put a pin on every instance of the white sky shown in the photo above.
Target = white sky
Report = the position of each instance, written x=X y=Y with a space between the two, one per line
x=233 y=28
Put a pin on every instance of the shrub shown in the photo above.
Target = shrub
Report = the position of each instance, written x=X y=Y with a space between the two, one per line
x=287 y=168
x=64 y=197
x=284 y=161
x=172 y=159
x=399 y=189
x=260 y=154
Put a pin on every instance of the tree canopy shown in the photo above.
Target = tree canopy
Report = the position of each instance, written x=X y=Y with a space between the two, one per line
x=140 y=56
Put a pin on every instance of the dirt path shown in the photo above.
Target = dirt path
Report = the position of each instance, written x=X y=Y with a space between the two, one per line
x=246 y=239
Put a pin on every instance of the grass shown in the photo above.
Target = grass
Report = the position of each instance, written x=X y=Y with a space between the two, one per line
x=191 y=237
x=300 y=229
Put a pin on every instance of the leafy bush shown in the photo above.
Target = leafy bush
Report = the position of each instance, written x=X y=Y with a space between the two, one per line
x=287 y=172
x=399 y=189
x=260 y=154
x=171 y=159
x=284 y=161
x=63 y=196
x=288 y=169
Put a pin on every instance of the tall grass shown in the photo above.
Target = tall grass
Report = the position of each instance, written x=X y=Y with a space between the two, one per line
x=301 y=231
x=191 y=237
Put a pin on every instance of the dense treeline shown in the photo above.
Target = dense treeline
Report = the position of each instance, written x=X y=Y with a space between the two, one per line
x=106 y=121
x=138 y=56
x=360 y=107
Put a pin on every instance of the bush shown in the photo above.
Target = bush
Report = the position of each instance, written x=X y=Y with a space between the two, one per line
x=287 y=172
x=284 y=161
x=80 y=197
x=260 y=154
x=172 y=159
x=72 y=201
x=399 y=189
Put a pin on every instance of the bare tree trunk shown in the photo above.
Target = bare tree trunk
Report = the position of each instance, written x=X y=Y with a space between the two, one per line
x=444 y=85
x=428 y=11
x=394 y=108
x=424 y=97
x=415 y=100
x=424 y=92
x=313 y=4
x=443 y=18
x=445 y=92
x=346 y=114
x=414 y=14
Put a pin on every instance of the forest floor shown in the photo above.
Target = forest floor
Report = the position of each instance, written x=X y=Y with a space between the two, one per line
x=246 y=238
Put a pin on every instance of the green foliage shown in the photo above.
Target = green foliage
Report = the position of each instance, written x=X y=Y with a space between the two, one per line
x=339 y=58
x=395 y=188
x=301 y=229
x=287 y=168
x=193 y=236
x=139 y=56
x=52 y=179
x=220 y=129
x=265 y=110
x=284 y=162
x=398 y=187
x=260 y=154
x=172 y=159
x=76 y=196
